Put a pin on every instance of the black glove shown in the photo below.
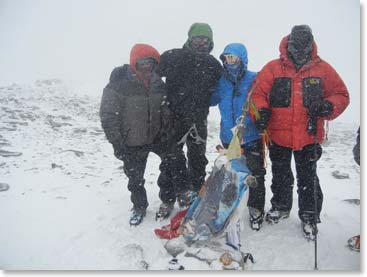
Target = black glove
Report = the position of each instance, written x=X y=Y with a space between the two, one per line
x=320 y=108
x=167 y=136
x=119 y=150
x=262 y=122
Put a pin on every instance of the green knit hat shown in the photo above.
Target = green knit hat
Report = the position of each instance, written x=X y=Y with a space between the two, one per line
x=200 y=29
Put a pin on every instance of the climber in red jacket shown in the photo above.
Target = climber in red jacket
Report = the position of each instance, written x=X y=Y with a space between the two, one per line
x=295 y=95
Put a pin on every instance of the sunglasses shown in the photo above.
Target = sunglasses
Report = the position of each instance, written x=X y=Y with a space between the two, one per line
x=231 y=59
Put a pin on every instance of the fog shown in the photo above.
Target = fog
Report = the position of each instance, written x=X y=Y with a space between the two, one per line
x=84 y=40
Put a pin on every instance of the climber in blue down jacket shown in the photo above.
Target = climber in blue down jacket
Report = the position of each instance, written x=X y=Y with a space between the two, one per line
x=230 y=95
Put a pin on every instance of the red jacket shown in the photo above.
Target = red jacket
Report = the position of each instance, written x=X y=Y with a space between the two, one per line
x=289 y=119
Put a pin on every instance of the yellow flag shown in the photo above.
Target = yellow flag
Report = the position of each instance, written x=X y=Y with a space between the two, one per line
x=234 y=148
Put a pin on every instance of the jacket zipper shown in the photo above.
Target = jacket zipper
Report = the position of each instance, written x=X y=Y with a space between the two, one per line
x=233 y=119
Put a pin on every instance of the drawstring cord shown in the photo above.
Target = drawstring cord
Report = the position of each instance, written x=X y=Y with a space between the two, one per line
x=193 y=132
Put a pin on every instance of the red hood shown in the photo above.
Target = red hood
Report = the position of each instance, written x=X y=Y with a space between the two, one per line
x=140 y=51
x=284 y=54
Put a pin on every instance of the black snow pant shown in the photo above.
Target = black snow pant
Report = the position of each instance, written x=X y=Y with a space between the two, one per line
x=282 y=182
x=172 y=169
x=194 y=135
x=255 y=162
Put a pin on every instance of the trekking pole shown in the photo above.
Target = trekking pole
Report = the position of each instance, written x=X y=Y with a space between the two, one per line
x=315 y=197
x=312 y=129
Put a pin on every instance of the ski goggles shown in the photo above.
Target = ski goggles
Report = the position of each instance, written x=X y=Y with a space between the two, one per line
x=231 y=59
x=145 y=64
x=199 y=40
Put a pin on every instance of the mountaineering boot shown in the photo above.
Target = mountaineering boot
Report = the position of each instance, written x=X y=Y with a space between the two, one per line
x=309 y=230
x=164 y=211
x=186 y=198
x=174 y=264
x=273 y=216
x=354 y=243
x=137 y=216
x=256 y=218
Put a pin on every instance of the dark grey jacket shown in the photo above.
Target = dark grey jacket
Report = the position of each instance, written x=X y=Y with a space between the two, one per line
x=132 y=114
x=356 y=149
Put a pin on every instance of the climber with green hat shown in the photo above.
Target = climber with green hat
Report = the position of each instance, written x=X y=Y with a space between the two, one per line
x=200 y=38
x=191 y=78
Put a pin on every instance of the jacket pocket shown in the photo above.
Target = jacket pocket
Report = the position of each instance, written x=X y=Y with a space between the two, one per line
x=280 y=94
x=311 y=90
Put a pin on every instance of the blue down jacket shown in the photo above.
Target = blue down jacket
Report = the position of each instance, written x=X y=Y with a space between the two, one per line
x=231 y=102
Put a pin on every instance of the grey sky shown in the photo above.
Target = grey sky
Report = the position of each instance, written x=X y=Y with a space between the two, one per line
x=83 y=40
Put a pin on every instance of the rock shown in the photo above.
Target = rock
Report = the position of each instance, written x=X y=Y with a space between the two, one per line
x=339 y=175
x=5 y=153
x=53 y=165
x=4 y=143
x=353 y=201
x=105 y=183
x=175 y=246
x=55 y=125
x=4 y=187
x=80 y=130
x=76 y=152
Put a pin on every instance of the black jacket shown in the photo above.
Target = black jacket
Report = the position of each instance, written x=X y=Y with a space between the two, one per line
x=130 y=113
x=191 y=79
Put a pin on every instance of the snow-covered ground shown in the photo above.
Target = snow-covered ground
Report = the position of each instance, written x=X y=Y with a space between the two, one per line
x=67 y=206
